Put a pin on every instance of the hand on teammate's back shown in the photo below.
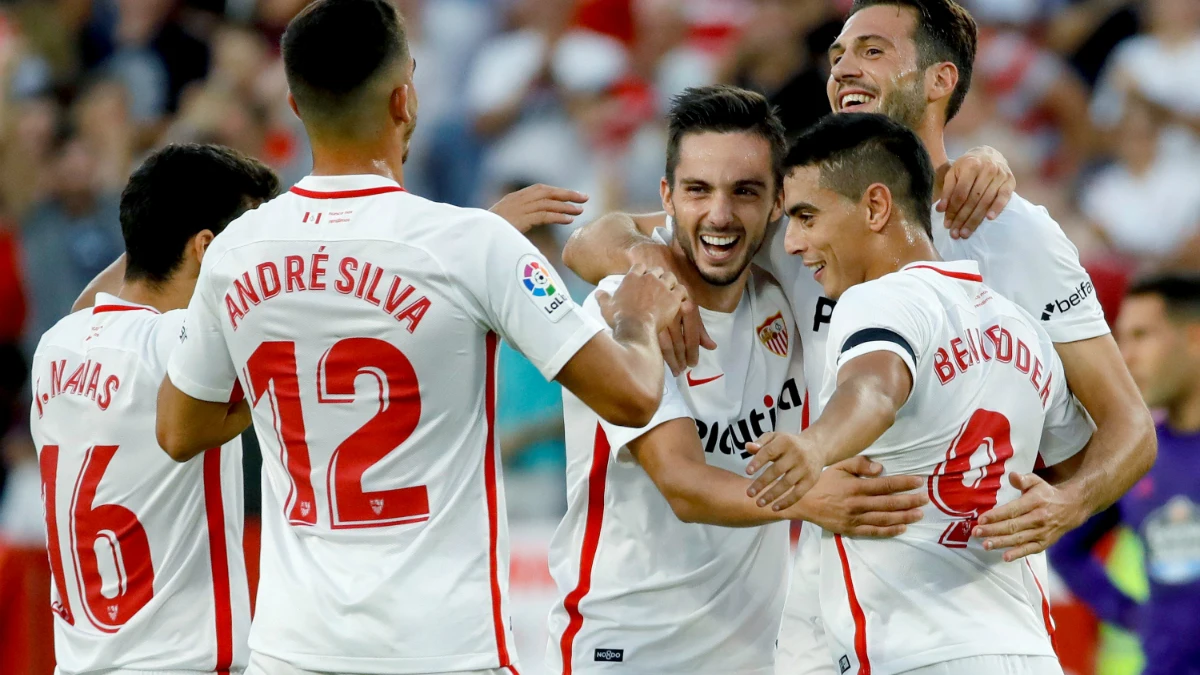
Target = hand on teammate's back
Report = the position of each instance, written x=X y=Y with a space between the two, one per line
x=680 y=341
x=792 y=468
x=654 y=292
x=1030 y=523
x=978 y=185
x=539 y=205
x=851 y=498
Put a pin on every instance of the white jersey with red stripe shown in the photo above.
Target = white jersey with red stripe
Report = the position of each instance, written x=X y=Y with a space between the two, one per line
x=1026 y=257
x=363 y=323
x=145 y=552
x=641 y=591
x=988 y=392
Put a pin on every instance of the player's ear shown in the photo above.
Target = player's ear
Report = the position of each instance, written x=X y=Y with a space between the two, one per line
x=199 y=245
x=777 y=207
x=398 y=104
x=664 y=190
x=940 y=80
x=293 y=106
x=878 y=203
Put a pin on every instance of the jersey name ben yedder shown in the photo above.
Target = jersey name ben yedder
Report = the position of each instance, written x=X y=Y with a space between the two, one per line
x=363 y=323
x=145 y=552
x=988 y=393
x=1025 y=256
x=641 y=591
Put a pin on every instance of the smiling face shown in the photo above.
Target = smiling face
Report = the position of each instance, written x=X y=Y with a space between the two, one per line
x=723 y=197
x=875 y=66
x=827 y=230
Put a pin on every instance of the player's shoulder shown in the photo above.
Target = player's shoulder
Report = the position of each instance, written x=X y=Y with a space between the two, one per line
x=1022 y=225
x=68 y=330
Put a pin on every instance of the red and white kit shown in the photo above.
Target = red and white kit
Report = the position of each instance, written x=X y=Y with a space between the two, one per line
x=145 y=552
x=363 y=323
x=988 y=393
x=641 y=591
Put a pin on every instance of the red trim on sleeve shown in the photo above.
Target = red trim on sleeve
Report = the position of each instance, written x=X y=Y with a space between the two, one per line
x=100 y=309
x=489 y=476
x=591 y=541
x=947 y=273
x=345 y=194
x=214 y=508
x=860 y=618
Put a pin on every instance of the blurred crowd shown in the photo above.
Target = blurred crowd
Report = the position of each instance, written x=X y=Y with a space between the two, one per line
x=1095 y=104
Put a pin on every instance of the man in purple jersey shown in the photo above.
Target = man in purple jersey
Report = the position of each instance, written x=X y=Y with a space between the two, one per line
x=1159 y=334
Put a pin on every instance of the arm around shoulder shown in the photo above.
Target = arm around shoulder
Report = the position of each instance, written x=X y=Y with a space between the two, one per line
x=608 y=245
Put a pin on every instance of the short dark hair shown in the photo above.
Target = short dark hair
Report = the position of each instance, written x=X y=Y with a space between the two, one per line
x=945 y=31
x=856 y=150
x=333 y=49
x=724 y=109
x=180 y=191
x=1180 y=292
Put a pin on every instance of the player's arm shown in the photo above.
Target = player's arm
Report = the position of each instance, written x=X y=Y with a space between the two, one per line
x=1120 y=452
x=616 y=242
x=871 y=389
x=844 y=500
x=620 y=376
x=613 y=243
x=188 y=426
x=107 y=281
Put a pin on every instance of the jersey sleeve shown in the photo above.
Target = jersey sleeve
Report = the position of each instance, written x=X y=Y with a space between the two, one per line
x=520 y=296
x=1025 y=256
x=1067 y=427
x=879 y=316
x=673 y=406
x=200 y=365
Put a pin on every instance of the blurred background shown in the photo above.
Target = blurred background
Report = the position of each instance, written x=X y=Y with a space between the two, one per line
x=1095 y=103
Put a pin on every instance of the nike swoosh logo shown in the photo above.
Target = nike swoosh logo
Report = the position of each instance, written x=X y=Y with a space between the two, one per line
x=697 y=383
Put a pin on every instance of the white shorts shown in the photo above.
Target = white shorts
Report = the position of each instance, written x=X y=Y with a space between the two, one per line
x=802 y=648
x=261 y=664
x=993 y=665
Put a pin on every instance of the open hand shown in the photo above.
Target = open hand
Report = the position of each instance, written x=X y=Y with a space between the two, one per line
x=792 y=469
x=1030 y=523
x=538 y=205
x=849 y=498
x=978 y=185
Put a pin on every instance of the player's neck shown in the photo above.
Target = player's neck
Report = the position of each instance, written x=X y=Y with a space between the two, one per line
x=1183 y=415
x=900 y=251
x=932 y=132
x=164 y=297
x=723 y=299
x=353 y=159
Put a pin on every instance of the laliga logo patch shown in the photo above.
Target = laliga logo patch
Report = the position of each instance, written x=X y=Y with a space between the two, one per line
x=537 y=281
x=546 y=292
x=773 y=334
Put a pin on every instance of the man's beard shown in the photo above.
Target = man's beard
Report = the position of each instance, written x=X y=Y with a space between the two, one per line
x=905 y=104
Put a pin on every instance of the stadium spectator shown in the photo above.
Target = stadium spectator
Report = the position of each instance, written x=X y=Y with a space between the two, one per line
x=1159 y=333
x=69 y=237
x=1145 y=206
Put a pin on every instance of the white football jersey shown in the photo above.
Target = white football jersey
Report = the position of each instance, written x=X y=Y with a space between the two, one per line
x=363 y=323
x=145 y=552
x=638 y=587
x=988 y=392
x=1025 y=256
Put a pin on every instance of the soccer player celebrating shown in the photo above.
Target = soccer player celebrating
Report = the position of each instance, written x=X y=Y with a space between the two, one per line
x=912 y=60
x=145 y=553
x=932 y=374
x=647 y=575
x=362 y=322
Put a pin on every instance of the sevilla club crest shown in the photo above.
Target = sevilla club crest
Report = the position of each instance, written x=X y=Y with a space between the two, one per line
x=773 y=333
